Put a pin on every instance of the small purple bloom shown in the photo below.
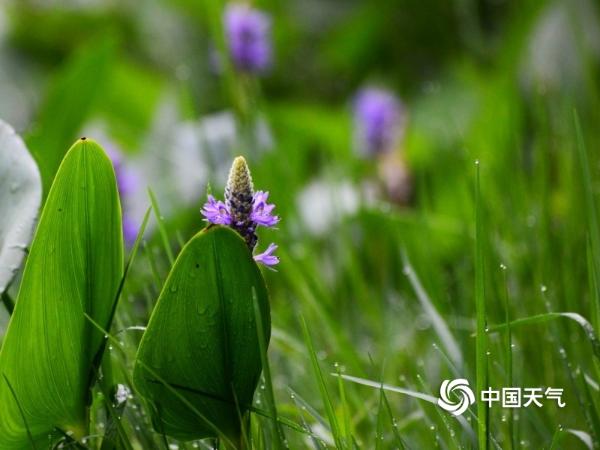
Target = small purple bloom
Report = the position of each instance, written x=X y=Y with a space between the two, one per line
x=131 y=228
x=378 y=116
x=267 y=258
x=127 y=184
x=127 y=180
x=215 y=211
x=262 y=211
x=248 y=37
x=115 y=156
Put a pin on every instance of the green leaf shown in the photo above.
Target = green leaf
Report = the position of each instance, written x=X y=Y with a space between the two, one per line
x=73 y=269
x=20 y=197
x=201 y=343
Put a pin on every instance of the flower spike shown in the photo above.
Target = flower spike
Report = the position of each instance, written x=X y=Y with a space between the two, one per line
x=239 y=194
x=243 y=210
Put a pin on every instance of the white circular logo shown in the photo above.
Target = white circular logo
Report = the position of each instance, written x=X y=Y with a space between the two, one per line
x=460 y=388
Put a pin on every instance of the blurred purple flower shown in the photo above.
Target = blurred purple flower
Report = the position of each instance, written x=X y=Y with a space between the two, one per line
x=378 y=117
x=248 y=37
x=267 y=258
x=215 y=211
x=127 y=184
x=127 y=180
x=131 y=229
x=261 y=210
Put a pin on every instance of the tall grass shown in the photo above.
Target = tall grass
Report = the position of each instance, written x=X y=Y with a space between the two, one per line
x=384 y=346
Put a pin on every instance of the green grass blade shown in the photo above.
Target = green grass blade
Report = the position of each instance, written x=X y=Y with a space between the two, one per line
x=307 y=407
x=333 y=423
x=541 y=318
x=378 y=385
x=385 y=403
x=307 y=428
x=509 y=357
x=99 y=355
x=582 y=436
x=14 y=395
x=278 y=436
x=411 y=393
x=115 y=437
x=591 y=211
x=589 y=407
x=162 y=228
x=481 y=333
x=345 y=411
x=592 y=228
x=439 y=325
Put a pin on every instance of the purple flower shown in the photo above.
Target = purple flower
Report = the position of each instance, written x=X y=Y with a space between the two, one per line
x=378 y=117
x=127 y=184
x=243 y=210
x=127 y=179
x=261 y=210
x=131 y=228
x=248 y=37
x=267 y=258
x=215 y=211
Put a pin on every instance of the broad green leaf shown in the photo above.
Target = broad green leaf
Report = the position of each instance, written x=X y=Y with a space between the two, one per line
x=201 y=344
x=74 y=268
x=20 y=197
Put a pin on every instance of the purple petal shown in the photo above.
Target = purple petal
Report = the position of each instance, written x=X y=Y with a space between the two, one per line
x=215 y=211
x=262 y=211
x=267 y=258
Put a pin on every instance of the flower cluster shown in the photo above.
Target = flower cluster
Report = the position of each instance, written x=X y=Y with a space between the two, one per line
x=378 y=117
x=248 y=37
x=243 y=210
